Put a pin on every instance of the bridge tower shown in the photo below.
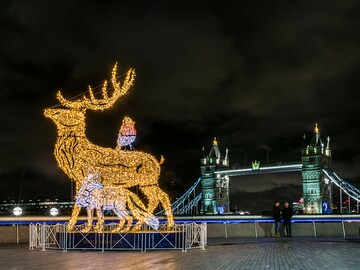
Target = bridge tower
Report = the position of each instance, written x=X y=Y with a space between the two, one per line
x=215 y=188
x=317 y=188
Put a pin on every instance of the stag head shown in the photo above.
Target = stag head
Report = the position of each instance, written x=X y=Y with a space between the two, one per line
x=79 y=107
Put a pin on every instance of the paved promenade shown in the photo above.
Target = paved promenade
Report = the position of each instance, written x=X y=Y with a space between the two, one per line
x=236 y=253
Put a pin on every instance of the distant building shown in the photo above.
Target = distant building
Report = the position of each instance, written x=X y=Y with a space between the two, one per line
x=36 y=207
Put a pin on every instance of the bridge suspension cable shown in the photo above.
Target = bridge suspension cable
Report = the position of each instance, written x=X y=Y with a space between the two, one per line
x=186 y=202
x=349 y=189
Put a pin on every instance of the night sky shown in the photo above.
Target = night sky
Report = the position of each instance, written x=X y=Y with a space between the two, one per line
x=255 y=75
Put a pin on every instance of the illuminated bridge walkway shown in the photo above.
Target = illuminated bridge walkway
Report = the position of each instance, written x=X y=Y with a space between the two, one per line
x=290 y=167
x=188 y=203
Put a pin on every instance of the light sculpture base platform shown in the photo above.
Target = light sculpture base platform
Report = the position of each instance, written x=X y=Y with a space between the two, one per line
x=181 y=237
x=142 y=240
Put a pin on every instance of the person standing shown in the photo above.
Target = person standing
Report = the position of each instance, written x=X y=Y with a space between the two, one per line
x=277 y=218
x=287 y=214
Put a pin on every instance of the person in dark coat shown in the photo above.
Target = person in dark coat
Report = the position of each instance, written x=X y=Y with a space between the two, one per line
x=277 y=218
x=287 y=214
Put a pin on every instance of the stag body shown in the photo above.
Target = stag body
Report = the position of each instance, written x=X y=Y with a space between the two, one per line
x=77 y=156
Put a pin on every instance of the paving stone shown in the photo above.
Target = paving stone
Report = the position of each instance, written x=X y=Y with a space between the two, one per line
x=235 y=253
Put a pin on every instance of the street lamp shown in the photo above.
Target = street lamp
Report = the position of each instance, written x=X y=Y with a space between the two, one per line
x=17 y=211
x=54 y=211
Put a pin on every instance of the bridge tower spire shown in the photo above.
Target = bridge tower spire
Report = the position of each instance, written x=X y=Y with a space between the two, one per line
x=215 y=188
x=316 y=188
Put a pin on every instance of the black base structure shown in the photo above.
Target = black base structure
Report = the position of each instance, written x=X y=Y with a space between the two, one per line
x=142 y=241
x=181 y=237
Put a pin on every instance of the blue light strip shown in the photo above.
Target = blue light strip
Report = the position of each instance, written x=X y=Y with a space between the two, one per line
x=237 y=221
x=207 y=220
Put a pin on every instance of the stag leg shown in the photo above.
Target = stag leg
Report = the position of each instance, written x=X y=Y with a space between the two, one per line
x=90 y=215
x=132 y=199
x=100 y=223
x=129 y=221
x=74 y=217
x=140 y=217
x=161 y=197
x=136 y=212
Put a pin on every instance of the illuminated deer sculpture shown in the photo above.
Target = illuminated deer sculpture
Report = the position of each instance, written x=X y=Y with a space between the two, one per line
x=95 y=196
x=77 y=156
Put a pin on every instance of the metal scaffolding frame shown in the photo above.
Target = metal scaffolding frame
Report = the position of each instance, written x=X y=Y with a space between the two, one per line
x=181 y=237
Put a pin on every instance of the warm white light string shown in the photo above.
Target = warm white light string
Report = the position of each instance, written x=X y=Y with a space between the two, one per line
x=85 y=92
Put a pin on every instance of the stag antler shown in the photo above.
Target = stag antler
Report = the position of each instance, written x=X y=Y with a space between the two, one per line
x=106 y=102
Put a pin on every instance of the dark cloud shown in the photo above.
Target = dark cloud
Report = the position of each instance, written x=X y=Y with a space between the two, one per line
x=256 y=75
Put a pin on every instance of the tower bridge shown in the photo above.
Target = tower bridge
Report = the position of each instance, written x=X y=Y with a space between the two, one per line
x=318 y=180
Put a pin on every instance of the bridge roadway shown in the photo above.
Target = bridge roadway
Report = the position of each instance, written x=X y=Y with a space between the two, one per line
x=278 y=168
x=235 y=253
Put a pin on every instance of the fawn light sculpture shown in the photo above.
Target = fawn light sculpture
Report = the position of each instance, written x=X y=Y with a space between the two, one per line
x=95 y=196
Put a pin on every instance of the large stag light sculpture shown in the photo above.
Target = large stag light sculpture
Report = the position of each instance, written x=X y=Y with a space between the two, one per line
x=77 y=156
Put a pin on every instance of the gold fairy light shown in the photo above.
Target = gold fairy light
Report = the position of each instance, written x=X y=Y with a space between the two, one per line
x=95 y=196
x=77 y=156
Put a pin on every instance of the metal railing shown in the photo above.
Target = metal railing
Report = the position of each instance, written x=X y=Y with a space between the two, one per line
x=181 y=237
x=317 y=227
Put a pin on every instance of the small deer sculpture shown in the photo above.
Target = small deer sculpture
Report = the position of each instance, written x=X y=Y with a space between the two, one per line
x=93 y=195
